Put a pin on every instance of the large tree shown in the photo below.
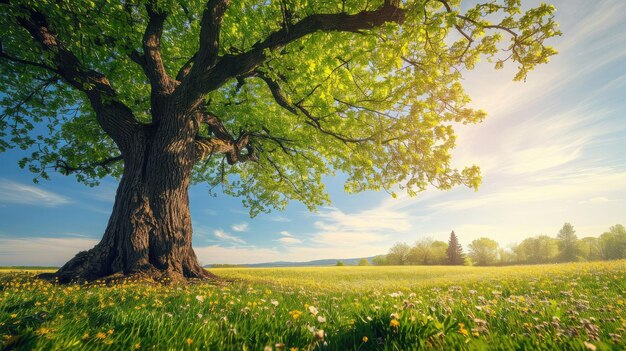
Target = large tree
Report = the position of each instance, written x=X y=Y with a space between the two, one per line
x=259 y=98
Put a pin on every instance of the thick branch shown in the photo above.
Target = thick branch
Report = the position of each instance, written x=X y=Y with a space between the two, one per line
x=210 y=27
x=153 y=67
x=114 y=117
x=200 y=82
x=222 y=142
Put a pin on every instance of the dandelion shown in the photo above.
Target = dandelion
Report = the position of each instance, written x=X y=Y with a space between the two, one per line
x=137 y=346
x=200 y=298
x=462 y=330
x=189 y=341
x=394 y=323
x=199 y=315
x=313 y=310
x=274 y=302
x=321 y=319
x=365 y=339
x=319 y=334
x=267 y=348
x=101 y=335
x=295 y=314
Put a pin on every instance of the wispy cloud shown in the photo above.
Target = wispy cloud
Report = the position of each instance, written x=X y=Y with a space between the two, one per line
x=220 y=234
x=40 y=251
x=241 y=227
x=279 y=219
x=18 y=193
x=289 y=240
x=243 y=255
x=285 y=233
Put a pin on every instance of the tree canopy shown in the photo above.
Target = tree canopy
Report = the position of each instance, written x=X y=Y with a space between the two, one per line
x=483 y=251
x=291 y=91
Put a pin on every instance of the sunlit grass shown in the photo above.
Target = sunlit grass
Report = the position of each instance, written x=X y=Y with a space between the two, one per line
x=571 y=306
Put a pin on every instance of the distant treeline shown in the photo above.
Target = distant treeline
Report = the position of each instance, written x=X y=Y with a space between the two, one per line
x=565 y=247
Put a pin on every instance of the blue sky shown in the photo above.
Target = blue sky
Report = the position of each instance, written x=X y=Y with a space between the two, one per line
x=552 y=150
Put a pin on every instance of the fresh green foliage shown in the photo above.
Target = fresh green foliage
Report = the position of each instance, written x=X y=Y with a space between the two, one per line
x=568 y=243
x=428 y=252
x=381 y=104
x=483 y=251
x=613 y=243
x=578 y=306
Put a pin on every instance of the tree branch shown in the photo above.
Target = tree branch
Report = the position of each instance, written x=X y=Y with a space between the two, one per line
x=11 y=58
x=66 y=169
x=223 y=142
x=153 y=61
x=210 y=27
x=114 y=117
x=200 y=81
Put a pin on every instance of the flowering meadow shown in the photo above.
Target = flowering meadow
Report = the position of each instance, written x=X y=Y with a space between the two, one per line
x=578 y=306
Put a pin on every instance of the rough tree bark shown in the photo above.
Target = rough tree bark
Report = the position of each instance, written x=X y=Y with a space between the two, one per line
x=149 y=231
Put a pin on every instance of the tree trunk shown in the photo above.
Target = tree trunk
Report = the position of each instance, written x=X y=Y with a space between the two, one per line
x=149 y=231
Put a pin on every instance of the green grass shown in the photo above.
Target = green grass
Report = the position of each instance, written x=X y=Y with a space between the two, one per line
x=571 y=306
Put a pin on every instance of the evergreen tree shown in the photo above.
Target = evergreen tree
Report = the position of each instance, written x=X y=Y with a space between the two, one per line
x=455 y=251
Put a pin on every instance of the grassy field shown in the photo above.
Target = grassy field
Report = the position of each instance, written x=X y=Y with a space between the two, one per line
x=571 y=306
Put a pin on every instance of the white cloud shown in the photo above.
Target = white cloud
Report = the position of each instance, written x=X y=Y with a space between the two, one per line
x=244 y=255
x=17 y=193
x=39 y=251
x=285 y=233
x=241 y=227
x=279 y=219
x=289 y=240
x=220 y=234
x=235 y=255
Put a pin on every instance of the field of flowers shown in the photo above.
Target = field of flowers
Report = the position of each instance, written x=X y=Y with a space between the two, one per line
x=558 y=307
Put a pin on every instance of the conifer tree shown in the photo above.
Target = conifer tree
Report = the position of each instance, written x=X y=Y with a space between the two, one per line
x=455 y=253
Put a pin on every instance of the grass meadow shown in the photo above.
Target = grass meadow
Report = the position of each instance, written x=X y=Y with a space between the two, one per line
x=579 y=306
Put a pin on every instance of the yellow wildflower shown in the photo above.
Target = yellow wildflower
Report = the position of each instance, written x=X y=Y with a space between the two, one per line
x=365 y=339
x=295 y=314
x=189 y=341
x=394 y=323
x=101 y=335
